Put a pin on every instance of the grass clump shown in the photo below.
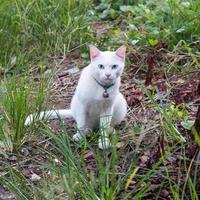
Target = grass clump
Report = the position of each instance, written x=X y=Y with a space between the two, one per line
x=32 y=30
x=16 y=102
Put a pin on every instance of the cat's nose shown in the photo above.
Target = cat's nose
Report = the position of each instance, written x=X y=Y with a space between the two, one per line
x=108 y=75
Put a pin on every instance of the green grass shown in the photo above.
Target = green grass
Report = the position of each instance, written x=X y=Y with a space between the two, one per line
x=33 y=30
x=68 y=175
x=32 y=35
x=17 y=100
x=151 y=22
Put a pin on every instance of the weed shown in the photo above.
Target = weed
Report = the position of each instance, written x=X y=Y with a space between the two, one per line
x=36 y=29
x=151 y=22
x=15 y=106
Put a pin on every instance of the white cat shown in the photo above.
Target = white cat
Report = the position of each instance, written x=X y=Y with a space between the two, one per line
x=97 y=102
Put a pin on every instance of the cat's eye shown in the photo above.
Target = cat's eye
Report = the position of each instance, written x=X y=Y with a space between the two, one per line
x=114 y=66
x=101 y=66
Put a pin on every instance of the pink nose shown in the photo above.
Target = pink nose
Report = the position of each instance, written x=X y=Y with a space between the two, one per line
x=108 y=75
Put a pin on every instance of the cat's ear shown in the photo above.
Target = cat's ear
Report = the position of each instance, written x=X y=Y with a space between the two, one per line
x=121 y=52
x=94 y=52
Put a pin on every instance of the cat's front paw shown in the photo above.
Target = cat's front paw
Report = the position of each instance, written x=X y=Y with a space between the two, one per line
x=78 y=137
x=104 y=143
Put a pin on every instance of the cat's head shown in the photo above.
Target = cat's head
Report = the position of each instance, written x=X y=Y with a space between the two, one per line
x=107 y=66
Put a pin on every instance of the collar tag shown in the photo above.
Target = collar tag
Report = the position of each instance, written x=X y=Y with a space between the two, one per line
x=105 y=94
x=105 y=87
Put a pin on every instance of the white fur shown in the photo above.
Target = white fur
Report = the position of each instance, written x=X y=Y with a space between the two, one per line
x=88 y=107
x=51 y=114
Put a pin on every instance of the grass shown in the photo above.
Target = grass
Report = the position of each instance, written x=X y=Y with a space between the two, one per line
x=32 y=31
x=15 y=99
x=157 y=159
x=31 y=34
x=69 y=177
x=150 y=22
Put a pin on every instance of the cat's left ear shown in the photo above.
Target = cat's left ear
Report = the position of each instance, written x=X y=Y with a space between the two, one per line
x=121 y=52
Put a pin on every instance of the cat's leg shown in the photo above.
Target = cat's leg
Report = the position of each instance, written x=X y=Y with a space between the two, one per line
x=119 y=111
x=110 y=118
x=85 y=123
x=82 y=130
x=80 y=116
x=105 y=128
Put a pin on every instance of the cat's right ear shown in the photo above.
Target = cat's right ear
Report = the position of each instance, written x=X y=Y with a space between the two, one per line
x=94 y=52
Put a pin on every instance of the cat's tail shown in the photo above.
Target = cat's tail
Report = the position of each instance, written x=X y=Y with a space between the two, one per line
x=51 y=114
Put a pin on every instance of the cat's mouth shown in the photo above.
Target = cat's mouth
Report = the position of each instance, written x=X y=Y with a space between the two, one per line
x=107 y=80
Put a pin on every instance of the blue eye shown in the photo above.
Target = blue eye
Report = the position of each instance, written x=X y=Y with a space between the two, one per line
x=114 y=66
x=101 y=66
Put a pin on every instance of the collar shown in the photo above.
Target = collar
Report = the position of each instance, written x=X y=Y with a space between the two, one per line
x=105 y=87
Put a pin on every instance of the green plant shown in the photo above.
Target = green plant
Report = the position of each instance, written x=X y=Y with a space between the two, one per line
x=168 y=114
x=69 y=168
x=69 y=176
x=76 y=180
x=36 y=29
x=19 y=186
x=15 y=98
x=151 y=22
x=184 y=185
